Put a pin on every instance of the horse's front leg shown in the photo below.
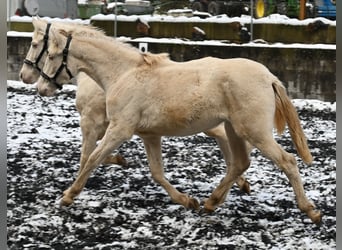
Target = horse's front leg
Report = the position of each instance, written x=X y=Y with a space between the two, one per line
x=91 y=133
x=115 y=135
x=89 y=138
x=219 y=133
x=88 y=146
x=153 y=150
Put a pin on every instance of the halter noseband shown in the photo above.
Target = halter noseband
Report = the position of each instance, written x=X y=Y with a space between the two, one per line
x=53 y=79
x=46 y=38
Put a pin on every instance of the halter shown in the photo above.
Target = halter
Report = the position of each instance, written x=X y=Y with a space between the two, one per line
x=46 y=38
x=63 y=65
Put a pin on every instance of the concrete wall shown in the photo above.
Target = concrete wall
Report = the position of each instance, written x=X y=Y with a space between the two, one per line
x=313 y=33
x=307 y=73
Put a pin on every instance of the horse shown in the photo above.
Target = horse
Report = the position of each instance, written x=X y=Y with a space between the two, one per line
x=90 y=99
x=152 y=96
x=91 y=110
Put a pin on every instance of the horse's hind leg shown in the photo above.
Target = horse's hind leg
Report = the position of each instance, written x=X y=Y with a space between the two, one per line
x=238 y=164
x=220 y=136
x=288 y=164
x=153 y=150
x=115 y=159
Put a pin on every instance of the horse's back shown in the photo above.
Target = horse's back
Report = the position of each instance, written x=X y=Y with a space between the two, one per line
x=240 y=79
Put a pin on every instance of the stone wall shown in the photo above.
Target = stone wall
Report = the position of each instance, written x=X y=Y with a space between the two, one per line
x=307 y=73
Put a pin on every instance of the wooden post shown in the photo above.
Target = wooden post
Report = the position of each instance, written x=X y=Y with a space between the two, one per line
x=302 y=10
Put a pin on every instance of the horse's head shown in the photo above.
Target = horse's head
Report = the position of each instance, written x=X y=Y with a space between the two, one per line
x=56 y=71
x=36 y=55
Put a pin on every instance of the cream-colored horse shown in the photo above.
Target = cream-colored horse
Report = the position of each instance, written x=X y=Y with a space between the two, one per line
x=90 y=101
x=90 y=98
x=152 y=96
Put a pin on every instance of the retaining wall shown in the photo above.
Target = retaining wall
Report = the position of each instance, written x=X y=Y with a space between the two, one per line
x=314 y=32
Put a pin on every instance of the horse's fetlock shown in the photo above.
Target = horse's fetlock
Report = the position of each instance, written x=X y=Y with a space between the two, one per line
x=71 y=192
x=306 y=207
x=211 y=203
x=208 y=208
x=121 y=160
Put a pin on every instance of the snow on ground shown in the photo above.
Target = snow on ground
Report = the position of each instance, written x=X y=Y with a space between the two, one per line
x=122 y=208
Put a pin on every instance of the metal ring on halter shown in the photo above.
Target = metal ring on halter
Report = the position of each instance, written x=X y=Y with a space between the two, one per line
x=53 y=79
x=46 y=38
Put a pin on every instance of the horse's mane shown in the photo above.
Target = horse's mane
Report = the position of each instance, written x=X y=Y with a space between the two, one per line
x=92 y=32
x=147 y=57
x=75 y=28
x=82 y=29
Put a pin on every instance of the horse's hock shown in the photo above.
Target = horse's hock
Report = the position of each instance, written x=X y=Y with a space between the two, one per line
x=307 y=71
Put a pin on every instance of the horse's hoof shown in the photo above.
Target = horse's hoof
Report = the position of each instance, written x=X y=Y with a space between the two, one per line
x=316 y=217
x=246 y=188
x=193 y=204
x=205 y=211
x=66 y=201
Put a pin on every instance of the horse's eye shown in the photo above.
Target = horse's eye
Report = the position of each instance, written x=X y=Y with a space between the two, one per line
x=34 y=45
x=50 y=56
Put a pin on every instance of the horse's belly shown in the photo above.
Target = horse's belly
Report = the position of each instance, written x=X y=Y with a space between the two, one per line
x=169 y=126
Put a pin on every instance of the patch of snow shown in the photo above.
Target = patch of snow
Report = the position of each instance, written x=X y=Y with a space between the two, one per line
x=244 y=19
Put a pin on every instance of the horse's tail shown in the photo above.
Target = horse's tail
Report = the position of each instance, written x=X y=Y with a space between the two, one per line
x=286 y=113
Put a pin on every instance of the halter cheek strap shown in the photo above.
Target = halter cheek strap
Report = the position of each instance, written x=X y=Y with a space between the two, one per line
x=53 y=79
x=46 y=38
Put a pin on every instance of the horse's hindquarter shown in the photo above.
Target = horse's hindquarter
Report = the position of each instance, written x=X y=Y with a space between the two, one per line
x=185 y=98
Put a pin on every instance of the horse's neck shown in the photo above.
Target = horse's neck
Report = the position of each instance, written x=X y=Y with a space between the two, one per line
x=105 y=61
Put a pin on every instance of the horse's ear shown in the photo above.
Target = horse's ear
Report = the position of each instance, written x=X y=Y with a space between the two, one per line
x=39 y=24
x=34 y=18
